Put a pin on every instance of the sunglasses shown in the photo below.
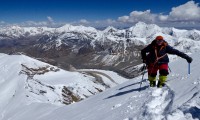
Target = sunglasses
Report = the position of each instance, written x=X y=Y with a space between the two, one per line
x=159 y=41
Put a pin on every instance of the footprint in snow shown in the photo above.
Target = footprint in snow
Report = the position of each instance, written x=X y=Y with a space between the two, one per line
x=116 y=106
x=159 y=102
x=196 y=82
x=127 y=119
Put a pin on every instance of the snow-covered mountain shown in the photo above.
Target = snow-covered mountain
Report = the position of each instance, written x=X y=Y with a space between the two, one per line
x=86 y=47
x=21 y=100
x=25 y=81
x=67 y=32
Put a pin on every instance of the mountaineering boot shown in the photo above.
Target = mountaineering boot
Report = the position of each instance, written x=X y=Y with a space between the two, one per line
x=152 y=81
x=161 y=82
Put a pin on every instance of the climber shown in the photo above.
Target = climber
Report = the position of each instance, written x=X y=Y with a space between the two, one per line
x=156 y=58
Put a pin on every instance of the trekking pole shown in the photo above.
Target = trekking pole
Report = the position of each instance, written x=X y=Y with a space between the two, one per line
x=144 y=66
x=169 y=69
x=188 y=68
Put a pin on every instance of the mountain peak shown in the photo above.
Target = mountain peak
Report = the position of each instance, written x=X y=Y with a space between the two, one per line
x=15 y=27
x=140 y=24
x=110 y=29
x=142 y=29
x=78 y=28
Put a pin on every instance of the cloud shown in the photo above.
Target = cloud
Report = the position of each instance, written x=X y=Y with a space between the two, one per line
x=187 y=14
x=50 y=19
x=34 y=23
x=2 y=22
x=123 y=19
x=136 y=16
x=163 y=18
x=84 y=21
x=49 y=23
x=105 y=23
x=189 y=11
x=111 y=21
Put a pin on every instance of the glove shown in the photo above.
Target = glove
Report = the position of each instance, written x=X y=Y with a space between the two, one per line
x=189 y=59
x=143 y=68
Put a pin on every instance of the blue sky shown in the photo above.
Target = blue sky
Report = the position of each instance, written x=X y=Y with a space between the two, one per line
x=90 y=12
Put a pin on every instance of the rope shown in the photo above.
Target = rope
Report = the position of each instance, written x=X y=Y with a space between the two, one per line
x=157 y=58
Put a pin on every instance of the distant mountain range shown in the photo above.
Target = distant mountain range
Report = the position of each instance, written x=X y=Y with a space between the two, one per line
x=86 y=47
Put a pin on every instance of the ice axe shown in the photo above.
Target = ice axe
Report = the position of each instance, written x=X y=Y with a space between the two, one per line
x=143 y=68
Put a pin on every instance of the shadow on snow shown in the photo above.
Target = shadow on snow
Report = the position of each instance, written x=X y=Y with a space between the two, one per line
x=129 y=91
x=132 y=84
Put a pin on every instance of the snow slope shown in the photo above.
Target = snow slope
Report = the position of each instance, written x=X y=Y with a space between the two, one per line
x=126 y=102
x=179 y=101
x=27 y=84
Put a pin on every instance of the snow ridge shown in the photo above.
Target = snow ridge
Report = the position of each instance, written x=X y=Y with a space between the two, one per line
x=160 y=105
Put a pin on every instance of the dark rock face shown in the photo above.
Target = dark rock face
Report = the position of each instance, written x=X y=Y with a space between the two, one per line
x=77 y=49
